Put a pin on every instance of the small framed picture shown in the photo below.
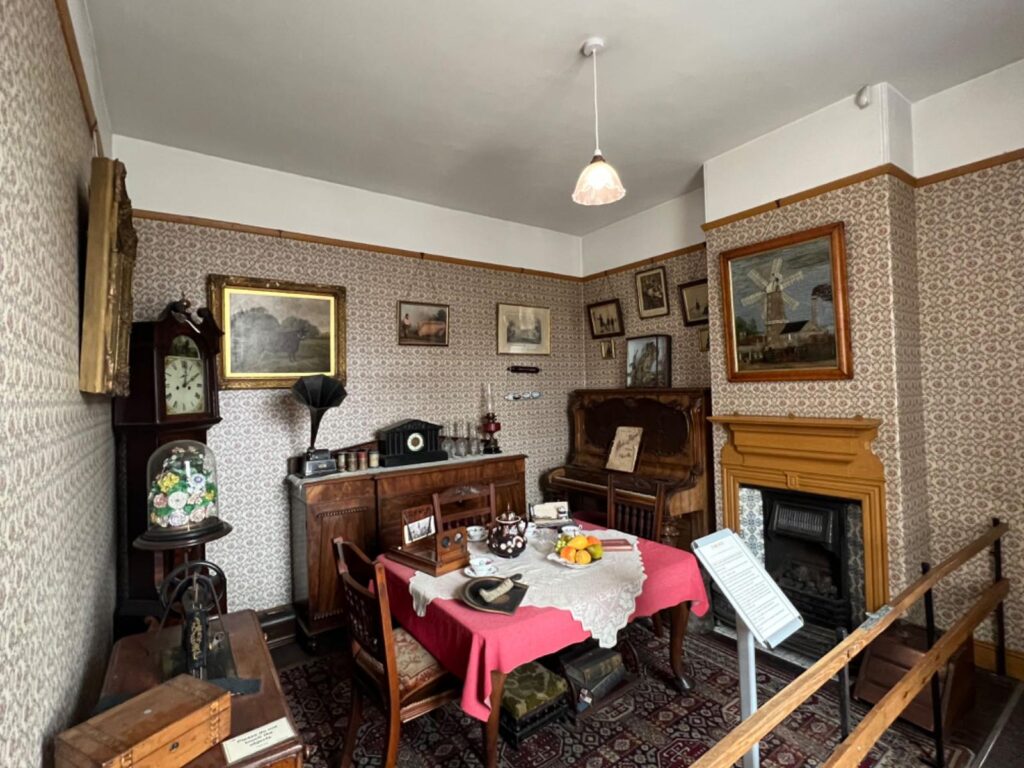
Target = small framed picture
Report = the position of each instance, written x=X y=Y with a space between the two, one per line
x=651 y=293
x=693 y=297
x=605 y=319
x=418 y=524
x=625 y=449
x=649 y=361
x=423 y=325
x=704 y=340
x=523 y=330
x=608 y=350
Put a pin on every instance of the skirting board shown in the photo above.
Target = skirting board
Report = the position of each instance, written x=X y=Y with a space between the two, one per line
x=985 y=657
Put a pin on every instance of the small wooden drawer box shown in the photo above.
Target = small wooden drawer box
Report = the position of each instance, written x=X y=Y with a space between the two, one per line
x=165 y=727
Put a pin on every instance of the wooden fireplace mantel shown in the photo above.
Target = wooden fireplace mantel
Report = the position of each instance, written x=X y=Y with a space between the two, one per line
x=830 y=457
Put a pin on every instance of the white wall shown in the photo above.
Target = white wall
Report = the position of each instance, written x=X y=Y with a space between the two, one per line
x=837 y=141
x=667 y=227
x=82 y=25
x=170 y=180
x=972 y=121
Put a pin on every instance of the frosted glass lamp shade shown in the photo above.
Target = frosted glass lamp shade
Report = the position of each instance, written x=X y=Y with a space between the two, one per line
x=598 y=184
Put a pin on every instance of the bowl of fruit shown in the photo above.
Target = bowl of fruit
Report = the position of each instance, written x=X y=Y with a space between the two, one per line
x=577 y=551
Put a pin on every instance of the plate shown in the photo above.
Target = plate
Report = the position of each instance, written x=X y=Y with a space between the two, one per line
x=474 y=575
x=505 y=604
x=556 y=559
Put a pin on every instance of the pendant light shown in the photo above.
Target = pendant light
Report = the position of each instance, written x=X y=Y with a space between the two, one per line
x=599 y=183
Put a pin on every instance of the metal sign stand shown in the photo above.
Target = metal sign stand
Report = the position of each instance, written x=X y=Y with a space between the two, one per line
x=764 y=615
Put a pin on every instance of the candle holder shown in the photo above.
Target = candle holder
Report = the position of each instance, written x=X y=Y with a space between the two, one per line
x=491 y=427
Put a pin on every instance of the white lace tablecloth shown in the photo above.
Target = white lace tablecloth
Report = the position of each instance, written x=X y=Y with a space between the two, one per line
x=601 y=596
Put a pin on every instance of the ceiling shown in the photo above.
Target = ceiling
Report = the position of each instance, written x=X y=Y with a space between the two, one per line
x=486 y=106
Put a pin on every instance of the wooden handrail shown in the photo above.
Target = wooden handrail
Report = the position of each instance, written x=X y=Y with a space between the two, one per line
x=856 y=746
x=726 y=752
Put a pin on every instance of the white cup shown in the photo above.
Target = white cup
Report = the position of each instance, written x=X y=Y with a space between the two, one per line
x=476 y=532
x=480 y=566
x=571 y=530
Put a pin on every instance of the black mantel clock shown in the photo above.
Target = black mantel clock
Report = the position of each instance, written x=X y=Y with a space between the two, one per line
x=172 y=396
x=410 y=442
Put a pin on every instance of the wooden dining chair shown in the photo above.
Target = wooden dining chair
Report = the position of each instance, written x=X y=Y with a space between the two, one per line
x=629 y=513
x=464 y=505
x=389 y=664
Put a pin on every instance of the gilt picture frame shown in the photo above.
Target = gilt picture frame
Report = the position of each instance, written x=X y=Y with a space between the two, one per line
x=523 y=330
x=276 y=332
x=423 y=325
x=107 y=296
x=785 y=308
x=651 y=293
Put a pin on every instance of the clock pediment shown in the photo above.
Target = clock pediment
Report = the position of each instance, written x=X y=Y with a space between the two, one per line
x=409 y=425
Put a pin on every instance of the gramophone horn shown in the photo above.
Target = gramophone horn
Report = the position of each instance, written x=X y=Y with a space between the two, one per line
x=318 y=393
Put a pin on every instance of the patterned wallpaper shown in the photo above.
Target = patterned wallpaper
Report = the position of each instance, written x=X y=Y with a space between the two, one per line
x=386 y=382
x=690 y=366
x=970 y=249
x=878 y=214
x=56 y=447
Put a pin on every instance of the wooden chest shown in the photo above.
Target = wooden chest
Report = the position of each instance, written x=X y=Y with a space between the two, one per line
x=165 y=727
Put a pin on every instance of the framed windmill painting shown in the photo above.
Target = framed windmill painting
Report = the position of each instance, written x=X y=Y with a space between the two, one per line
x=785 y=308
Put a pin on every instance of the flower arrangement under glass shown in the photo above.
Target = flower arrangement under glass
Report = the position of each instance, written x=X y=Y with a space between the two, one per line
x=183 y=485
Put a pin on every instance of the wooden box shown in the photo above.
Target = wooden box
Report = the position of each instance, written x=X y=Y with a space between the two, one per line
x=165 y=727
x=894 y=652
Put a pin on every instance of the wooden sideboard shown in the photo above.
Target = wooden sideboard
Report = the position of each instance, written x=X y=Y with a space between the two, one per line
x=366 y=508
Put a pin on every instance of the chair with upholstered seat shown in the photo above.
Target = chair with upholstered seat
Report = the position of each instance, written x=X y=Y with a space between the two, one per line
x=632 y=513
x=388 y=664
x=464 y=505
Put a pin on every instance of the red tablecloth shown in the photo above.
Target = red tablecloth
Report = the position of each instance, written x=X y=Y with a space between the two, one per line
x=471 y=644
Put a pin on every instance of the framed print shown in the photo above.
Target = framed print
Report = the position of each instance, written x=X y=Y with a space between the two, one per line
x=107 y=295
x=693 y=298
x=608 y=349
x=523 y=330
x=625 y=449
x=651 y=293
x=785 y=310
x=423 y=325
x=649 y=361
x=276 y=332
x=605 y=319
x=703 y=340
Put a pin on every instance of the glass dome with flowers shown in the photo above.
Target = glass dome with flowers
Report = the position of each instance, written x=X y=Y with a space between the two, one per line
x=183 y=491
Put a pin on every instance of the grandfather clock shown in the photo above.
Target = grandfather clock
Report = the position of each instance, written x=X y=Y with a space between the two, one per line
x=172 y=396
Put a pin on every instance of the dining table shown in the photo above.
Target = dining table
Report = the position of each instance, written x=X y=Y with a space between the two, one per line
x=563 y=607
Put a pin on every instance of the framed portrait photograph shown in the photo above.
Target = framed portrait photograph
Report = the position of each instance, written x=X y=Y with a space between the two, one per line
x=276 y=332
x=423 y=325
x=704 y=340
x=608 y=349
x=625 y=449
x=605 y=319
x=651 y=292
x=693 y=298
x=785 y=308
x=523 y=330
x=649 y=361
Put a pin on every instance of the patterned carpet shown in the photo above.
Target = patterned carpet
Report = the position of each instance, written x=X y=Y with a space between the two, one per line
x=650 y=726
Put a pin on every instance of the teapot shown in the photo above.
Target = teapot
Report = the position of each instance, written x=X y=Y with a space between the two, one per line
x=507 y=537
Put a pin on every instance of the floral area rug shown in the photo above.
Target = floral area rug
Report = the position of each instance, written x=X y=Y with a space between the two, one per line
x=652 y=725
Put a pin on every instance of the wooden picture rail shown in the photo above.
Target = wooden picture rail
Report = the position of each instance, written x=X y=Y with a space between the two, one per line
x=852 y=751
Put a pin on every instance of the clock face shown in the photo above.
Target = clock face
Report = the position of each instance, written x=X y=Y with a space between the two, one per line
x=184 y=379
x=415 y=442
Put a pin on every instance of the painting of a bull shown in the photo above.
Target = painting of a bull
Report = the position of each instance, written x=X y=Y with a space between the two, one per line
x=423 y=325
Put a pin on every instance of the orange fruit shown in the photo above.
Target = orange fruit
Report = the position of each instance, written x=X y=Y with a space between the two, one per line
x=592 y=540
x=569 y=554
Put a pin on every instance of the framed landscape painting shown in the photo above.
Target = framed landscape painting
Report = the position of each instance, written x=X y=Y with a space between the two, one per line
x=785 y=308
x=651 y=293
x=605 y=319
x=276 y=332
x=649 y=361
x=523 y=330
x=423 y=325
